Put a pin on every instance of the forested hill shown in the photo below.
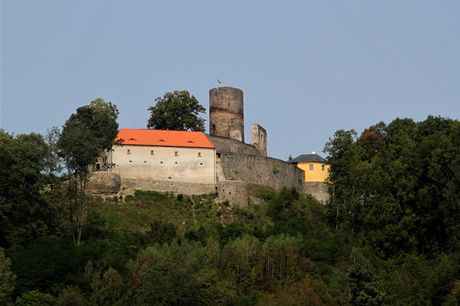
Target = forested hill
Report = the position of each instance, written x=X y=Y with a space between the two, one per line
x=390 y=234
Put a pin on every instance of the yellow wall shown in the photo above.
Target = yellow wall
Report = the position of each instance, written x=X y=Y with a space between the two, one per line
x=317 y=174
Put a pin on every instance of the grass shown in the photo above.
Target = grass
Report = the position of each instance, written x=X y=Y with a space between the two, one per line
x=138 y=211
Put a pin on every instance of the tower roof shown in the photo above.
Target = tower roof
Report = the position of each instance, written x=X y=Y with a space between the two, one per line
x=162 y=138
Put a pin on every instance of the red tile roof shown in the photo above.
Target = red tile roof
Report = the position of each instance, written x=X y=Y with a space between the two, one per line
x=144 y=137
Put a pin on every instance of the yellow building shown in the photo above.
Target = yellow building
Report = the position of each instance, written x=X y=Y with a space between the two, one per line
x=314 y=166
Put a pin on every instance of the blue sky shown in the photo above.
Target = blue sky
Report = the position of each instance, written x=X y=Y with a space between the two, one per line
x=307 y=68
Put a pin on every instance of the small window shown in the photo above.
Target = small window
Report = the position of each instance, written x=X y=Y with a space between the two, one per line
x=199 y=154
x=152 y=152
x=311 y=167
x=161 y=162
x=145 y=161
x=130 y=161
x=175 y=163
x=128 y=151
x=201 y=164
x=176 y=153
x=323 y=167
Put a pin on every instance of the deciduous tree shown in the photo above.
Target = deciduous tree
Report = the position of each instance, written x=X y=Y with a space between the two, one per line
x=176 y=110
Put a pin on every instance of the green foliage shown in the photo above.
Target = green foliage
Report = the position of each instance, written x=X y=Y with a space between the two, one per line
x=26 y=211
x=156 y=277
x=162 y=232
x=108 y=287
x=308 y=291
x=35 y=298
x=71 y=296
x=398 y=185
x=7 y=279
x=176 y=110
x=453 y=298
x=361 y=277
x=85 y=135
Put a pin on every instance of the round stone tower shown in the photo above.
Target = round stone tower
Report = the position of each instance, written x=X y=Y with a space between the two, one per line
x=226 y=114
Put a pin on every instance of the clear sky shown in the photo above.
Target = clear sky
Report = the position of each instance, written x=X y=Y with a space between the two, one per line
x=307 y=68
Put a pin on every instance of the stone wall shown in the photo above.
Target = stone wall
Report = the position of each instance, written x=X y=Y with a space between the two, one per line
x=258 y=169
x=243 y=162
x=235 y=192
x=130 y=184
x=226 y=112
x=259 y=138
x=319 y=191
x=223 y=144
x=103 y=183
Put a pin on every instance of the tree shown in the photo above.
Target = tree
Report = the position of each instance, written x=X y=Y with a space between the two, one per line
x=398 y=185
x=25 y=210
x=177 y=110
x=7 y=279
x=85 y=135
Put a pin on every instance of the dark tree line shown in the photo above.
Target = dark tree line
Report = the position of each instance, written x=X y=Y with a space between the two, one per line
x=399 y=185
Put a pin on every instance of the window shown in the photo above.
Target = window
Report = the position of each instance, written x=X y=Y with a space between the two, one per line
x=199 y=154
x=128 y=151
x=176 y=153
x=323 y=167
x=152 y=152
x=311 y=167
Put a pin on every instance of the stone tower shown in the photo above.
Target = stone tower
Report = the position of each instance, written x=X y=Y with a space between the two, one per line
x=259 y=138
x=226 y=114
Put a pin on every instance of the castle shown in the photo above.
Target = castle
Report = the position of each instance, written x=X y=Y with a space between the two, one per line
x=194 y=163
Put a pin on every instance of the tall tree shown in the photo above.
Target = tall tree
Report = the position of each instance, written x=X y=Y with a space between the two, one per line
x=85 y=135
x=25 y=211
x=177 y=110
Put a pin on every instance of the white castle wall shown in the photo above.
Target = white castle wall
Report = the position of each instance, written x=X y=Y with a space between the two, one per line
x=173 y=164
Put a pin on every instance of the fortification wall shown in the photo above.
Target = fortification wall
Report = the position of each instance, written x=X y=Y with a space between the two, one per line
x=257 y=169
x=319 y=191
x=259 y=138
x=129 y=184
x=235 y=192
x=103 y=183
x=243 y=162
x=224 y=145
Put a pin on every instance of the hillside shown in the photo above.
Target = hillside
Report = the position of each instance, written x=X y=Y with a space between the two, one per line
x=388 y=236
